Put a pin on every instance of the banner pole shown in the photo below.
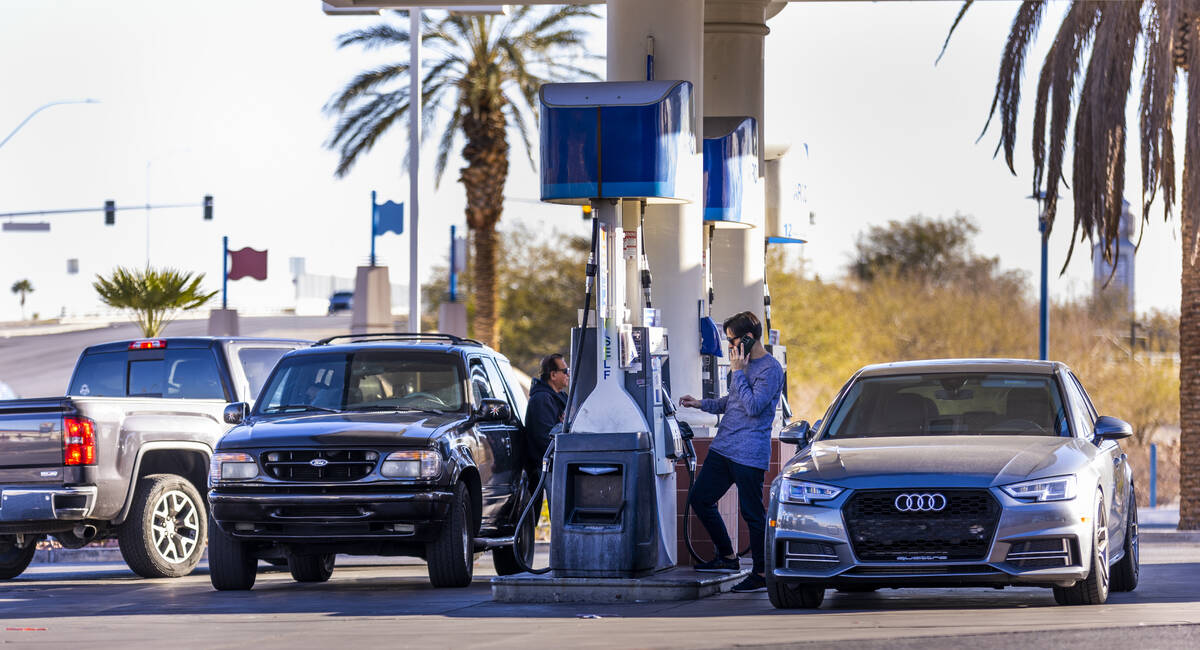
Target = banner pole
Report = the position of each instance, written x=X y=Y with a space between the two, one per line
x=225 y=272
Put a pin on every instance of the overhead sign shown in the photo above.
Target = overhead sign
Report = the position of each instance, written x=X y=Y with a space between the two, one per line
x=27 y=226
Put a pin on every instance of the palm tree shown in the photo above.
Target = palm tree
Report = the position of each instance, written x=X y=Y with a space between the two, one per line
x=155 y=296
x=1105 y=36
x=22 y=288
x=483 y=80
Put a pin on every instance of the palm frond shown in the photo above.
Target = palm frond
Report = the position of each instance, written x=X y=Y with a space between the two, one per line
x=1158 y=107
x=1056 y=92
x=957 y=19
x=1008 y=83
x=1190 y=207
x=362 y=84
x=374 y=37
x=1099 y=161
x=446 y=144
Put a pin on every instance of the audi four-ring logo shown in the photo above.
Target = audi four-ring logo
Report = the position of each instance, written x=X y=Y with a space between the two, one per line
x=920 y=502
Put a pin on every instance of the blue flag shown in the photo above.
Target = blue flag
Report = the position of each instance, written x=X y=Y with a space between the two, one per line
x=389 y=217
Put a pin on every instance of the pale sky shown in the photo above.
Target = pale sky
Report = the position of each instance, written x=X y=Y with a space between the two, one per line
x=224 y=97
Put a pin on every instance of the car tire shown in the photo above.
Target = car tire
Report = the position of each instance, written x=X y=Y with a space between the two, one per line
x=505 y=558
x=1125 y=573
x=451 y=557
x=311 y=568
x=231 y=562
x=785 y=596
x=164 y=534
x=15 y=559
x=1092 y=590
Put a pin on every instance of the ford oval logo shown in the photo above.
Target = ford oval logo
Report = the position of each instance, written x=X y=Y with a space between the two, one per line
x=318 y=462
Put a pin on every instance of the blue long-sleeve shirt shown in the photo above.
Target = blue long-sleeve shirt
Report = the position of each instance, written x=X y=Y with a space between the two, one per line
x=744 y=435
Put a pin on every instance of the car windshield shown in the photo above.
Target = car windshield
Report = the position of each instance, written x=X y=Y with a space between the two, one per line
x=950 y=404
x=369 y=380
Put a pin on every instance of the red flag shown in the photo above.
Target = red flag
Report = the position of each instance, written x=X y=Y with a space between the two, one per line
x=248 y=263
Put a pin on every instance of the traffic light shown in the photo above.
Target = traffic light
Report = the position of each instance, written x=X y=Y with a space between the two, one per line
x=208 y=207
x=110 y=213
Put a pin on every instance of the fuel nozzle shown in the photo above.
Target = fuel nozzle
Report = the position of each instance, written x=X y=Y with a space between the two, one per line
x=689 y=450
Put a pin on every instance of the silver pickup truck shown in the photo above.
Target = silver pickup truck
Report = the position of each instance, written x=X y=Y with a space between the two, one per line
x=126 y=452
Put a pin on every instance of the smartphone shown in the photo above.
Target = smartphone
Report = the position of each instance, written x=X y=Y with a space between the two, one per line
x=746 y=343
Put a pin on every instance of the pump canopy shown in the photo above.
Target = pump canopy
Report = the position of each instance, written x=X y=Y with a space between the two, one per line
x=731 y=179
x=619 y=140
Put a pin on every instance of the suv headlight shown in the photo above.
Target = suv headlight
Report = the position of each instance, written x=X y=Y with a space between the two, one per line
x=805 y=492
x=231 y=466
x=1055 y=488
x=412 y=464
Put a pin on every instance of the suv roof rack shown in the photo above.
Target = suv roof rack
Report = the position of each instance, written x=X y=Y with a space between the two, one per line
x=401 y=336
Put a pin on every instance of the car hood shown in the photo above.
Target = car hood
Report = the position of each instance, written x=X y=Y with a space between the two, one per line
x=339 y=429
x=941 y=461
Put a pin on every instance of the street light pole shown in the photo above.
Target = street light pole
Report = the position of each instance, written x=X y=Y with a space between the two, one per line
x=414 y=164
x=1044 y=304
x=41 y=108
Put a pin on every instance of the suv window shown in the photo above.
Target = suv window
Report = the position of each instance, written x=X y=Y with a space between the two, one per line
x=498 y=387
x=481 y=386
x=518 y=395
x=257 y=364
x=182 y=374
x=99 y=375
x=365 y=380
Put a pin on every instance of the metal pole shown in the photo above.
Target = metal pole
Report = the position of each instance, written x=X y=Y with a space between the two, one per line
x=225 y=272
x=1153 y=476
x=414 y=156
x=1044 y=308
x=374 y=207
x=453 y=268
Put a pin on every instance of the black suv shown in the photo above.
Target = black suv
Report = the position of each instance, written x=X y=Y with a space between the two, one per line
x=386 y=444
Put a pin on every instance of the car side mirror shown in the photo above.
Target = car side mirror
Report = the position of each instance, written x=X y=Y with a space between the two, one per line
x=1110 y=428
x=796 y=433
x=236 y=413
x=492 y=409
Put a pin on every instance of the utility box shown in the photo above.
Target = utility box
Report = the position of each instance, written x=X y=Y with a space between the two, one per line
x=618 y=139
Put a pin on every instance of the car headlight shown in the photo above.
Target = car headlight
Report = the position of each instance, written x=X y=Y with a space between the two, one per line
x=231 y=466
x=411 y=464
x=805 y=492
x=1055 y=488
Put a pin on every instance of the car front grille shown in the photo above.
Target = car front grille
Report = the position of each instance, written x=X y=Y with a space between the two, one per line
x=319 y=464
x=881 y=530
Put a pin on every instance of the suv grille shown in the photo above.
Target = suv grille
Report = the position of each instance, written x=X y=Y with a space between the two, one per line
x=319 y=464
x=881 y=532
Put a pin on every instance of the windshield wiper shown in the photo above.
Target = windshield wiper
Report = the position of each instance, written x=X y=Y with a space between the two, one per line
x=302 y=407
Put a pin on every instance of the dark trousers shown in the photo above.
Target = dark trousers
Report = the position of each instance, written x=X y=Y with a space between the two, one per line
x=716 y=476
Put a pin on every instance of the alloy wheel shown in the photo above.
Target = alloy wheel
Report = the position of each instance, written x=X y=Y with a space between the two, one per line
x=175 y=527
x=1102 y=545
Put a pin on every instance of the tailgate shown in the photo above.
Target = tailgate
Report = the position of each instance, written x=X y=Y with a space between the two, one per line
x=31 y=432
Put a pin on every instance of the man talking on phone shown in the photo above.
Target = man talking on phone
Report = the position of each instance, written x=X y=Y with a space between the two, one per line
x=741 y=451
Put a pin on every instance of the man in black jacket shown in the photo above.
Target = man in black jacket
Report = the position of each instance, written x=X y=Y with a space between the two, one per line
x=547 y=403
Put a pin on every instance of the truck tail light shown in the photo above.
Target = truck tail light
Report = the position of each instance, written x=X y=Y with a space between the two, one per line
x=149 y=344
x=79 y=441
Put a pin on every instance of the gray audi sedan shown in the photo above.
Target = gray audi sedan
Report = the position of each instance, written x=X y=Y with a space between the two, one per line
x=955 y=473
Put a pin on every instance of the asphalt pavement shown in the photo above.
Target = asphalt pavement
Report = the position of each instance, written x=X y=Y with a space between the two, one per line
x=40 y=365
x=374 y=602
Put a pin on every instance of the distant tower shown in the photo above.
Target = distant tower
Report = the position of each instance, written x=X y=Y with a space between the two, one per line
x=1123 y=278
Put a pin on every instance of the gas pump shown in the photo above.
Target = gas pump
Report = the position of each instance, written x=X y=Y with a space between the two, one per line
x=616 y=146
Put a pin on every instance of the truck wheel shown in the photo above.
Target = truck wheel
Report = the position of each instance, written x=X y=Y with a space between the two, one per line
x=451 y=557
x=14 y=559
x=1092 y=590
x=311 y=568
x=785 y=596
x=505 y=557
x=165 y=532
x=231 y=563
